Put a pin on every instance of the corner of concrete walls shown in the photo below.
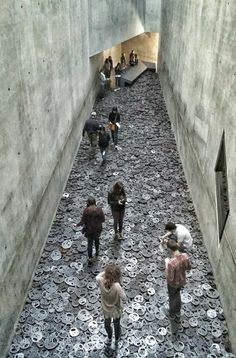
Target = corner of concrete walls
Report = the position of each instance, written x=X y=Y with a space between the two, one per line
x=13 y=292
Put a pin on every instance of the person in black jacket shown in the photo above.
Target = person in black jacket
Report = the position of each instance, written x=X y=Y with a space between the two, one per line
x=91 y=127
x=117 y=200
x=118 y=73
x=103 y=143
x=114 y=122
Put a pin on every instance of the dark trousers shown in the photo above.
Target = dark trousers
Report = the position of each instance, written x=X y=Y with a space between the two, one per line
x=118 y=80
x=118 y=217
x=93 y=144
x=174 y=300
x=114 y=135
x=93 y=239
x=104 y=153
x=108 y=328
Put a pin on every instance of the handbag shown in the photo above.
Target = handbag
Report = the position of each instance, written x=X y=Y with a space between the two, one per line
x=112 y=127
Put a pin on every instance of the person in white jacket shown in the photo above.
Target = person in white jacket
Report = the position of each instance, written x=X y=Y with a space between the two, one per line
x=111 y=298
x=184 y=238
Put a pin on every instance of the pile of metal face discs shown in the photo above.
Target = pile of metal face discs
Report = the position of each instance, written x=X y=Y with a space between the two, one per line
x=62 y=315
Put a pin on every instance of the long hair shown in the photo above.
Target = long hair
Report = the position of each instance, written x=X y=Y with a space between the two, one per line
x=118 y=189
x=112 y=275
x=91 y=201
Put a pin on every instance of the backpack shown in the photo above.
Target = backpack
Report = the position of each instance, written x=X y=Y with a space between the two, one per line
x=104 y=139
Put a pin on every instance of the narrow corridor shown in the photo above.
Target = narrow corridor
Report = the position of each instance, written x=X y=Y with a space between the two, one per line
x=64 y=293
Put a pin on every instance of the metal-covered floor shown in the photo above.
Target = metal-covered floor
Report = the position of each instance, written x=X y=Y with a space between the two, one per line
x=61 y=317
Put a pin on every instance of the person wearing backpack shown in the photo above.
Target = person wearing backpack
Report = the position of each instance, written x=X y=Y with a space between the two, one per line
x=103 y=143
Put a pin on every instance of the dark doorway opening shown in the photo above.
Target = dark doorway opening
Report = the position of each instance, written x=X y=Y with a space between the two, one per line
x=222 y=187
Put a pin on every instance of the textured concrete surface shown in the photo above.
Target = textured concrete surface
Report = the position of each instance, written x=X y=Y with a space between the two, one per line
x=47 y=89
x=111 y=22
x=64 y=294
x=198 y=79
x=153 y=15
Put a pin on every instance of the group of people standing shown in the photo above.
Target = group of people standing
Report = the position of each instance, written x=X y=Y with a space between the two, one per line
x=98 y=135
x=105 y=72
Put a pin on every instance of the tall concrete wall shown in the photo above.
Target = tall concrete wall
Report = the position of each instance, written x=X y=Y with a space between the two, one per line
x=153 y=15
x=111 y=22
x=197 y=71
x=48 y=86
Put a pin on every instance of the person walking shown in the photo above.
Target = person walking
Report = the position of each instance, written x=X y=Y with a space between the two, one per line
x=117 y=200
x=118 y=73
x=176 y=268
x=92 y=220
x=103 y=82
x=91 y=127
x=182 y=234
x=114 y=123
x=103 y=143
x=111 y=299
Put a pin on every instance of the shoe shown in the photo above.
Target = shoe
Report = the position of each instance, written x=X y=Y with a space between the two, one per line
x=90 y=262
x=120 y=236
x=116 y=237
x=177 y=316
x=172 y=316
x=116 y=147
x=108 y=341
x=117 y=340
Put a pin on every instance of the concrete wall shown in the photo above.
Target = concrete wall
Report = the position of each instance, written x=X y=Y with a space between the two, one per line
x=197 y=70
x=145 y=45
x=153 y=15
x=113 y=22
x=48 y=86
